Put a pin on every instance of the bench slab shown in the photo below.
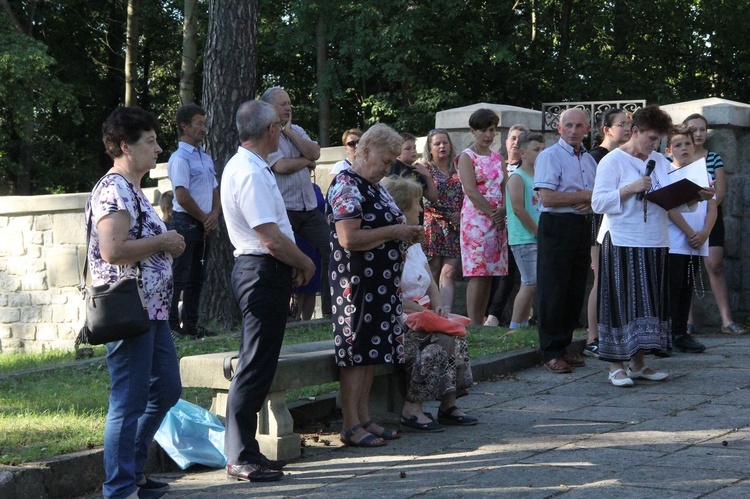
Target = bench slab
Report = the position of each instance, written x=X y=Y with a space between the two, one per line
x=304 y=364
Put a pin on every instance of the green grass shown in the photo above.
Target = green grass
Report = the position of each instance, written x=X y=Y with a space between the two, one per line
x=62 y=410
x=15 y=362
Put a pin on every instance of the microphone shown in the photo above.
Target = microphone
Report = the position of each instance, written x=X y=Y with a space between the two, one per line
x=649 y=170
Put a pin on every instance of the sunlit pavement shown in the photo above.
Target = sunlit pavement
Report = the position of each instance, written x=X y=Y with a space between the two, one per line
x=549 y=435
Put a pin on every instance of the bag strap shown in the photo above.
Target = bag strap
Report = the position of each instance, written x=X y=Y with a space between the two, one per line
x=82 y=285
x=228 y=371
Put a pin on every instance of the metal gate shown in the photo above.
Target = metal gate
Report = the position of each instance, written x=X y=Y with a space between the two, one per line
x=551 y=112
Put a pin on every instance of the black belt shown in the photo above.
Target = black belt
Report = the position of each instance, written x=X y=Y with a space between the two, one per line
x=262 y=255
x=571 y=216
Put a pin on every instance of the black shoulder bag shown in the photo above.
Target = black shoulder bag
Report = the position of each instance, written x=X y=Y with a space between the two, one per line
x=114 y=311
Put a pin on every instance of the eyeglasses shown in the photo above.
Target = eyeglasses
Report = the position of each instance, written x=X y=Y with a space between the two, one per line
x=623 y=124
x=352 y=143
x=435 y=131
x=280 y=124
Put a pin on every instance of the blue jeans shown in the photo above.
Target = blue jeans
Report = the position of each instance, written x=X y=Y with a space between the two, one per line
x=189 y=272
x=145 y=383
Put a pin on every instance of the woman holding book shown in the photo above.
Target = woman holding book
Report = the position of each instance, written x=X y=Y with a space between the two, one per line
x=633 y=302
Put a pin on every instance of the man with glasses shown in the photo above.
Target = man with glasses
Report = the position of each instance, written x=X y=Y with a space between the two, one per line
x=267 y=265
x=293 y=164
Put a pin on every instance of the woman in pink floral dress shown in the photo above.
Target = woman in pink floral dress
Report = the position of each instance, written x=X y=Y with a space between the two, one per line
x=484 y=240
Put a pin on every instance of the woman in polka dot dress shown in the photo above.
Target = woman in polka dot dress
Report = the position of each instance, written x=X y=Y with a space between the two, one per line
x=365 y=267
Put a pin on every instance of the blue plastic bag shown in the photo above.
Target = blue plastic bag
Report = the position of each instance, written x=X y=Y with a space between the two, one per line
x=191 y=435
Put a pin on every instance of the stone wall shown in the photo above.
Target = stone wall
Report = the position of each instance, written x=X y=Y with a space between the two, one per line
x=42 y=247
x=42 y=239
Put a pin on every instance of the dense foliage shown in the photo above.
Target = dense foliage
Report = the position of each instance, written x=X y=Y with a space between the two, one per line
x=396 y=61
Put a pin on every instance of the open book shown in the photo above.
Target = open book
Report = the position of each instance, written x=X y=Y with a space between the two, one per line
x=685 y=185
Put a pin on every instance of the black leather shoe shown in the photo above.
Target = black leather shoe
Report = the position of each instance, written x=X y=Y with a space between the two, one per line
x=687 y=343
x=658 y=352
x=272 y=464
x=252 y=473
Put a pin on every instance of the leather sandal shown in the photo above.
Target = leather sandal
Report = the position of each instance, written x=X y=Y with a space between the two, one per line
x=558 y=366
x=448 y=418
x=368 y=441
x=385 y=434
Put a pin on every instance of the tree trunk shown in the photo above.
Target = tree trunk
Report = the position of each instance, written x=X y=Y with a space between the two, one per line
x=144 y=86
x=131 y=53
x=324 y=99
x=230 y=59
x=189 y=54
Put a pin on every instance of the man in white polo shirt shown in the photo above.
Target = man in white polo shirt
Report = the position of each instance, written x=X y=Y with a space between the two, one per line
x=268 y=264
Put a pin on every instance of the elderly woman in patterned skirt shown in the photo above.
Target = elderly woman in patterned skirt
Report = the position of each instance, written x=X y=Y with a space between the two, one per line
x=437 y=363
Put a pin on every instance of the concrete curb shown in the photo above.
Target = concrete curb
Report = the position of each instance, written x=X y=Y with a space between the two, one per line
x=80 y=473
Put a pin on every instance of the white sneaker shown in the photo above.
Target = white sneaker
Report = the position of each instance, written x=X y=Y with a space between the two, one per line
x=492 y=321
x=625 y=382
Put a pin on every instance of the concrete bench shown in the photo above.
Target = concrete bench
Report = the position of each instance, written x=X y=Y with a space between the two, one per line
x=305 y=364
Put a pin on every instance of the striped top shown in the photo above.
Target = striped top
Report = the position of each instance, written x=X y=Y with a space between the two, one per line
x=713 y=161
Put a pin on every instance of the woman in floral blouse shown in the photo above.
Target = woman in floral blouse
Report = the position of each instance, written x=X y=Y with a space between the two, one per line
x=144 y=371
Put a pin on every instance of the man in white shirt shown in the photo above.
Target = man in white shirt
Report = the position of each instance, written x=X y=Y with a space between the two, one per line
x=268 y=264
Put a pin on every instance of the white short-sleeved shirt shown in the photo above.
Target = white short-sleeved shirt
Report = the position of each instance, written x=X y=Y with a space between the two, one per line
x=249 y=198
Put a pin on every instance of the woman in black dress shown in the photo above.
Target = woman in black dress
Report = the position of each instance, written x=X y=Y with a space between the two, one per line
x=368 y=233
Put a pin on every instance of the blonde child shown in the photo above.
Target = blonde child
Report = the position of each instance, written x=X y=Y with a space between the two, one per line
x=523 y=216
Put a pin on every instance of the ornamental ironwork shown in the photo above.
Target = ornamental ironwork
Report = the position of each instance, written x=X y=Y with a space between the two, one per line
x=551 y=112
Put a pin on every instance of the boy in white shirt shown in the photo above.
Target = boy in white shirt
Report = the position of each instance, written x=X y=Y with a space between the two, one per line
x=688 y=242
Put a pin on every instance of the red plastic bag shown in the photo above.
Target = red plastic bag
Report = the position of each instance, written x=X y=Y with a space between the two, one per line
x=431 y=322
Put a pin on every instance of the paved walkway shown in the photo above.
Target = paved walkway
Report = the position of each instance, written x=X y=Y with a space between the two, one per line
x=544 y=435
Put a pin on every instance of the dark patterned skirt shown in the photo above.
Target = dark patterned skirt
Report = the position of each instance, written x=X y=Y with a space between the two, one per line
x=633 y=301
x=437 y=364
